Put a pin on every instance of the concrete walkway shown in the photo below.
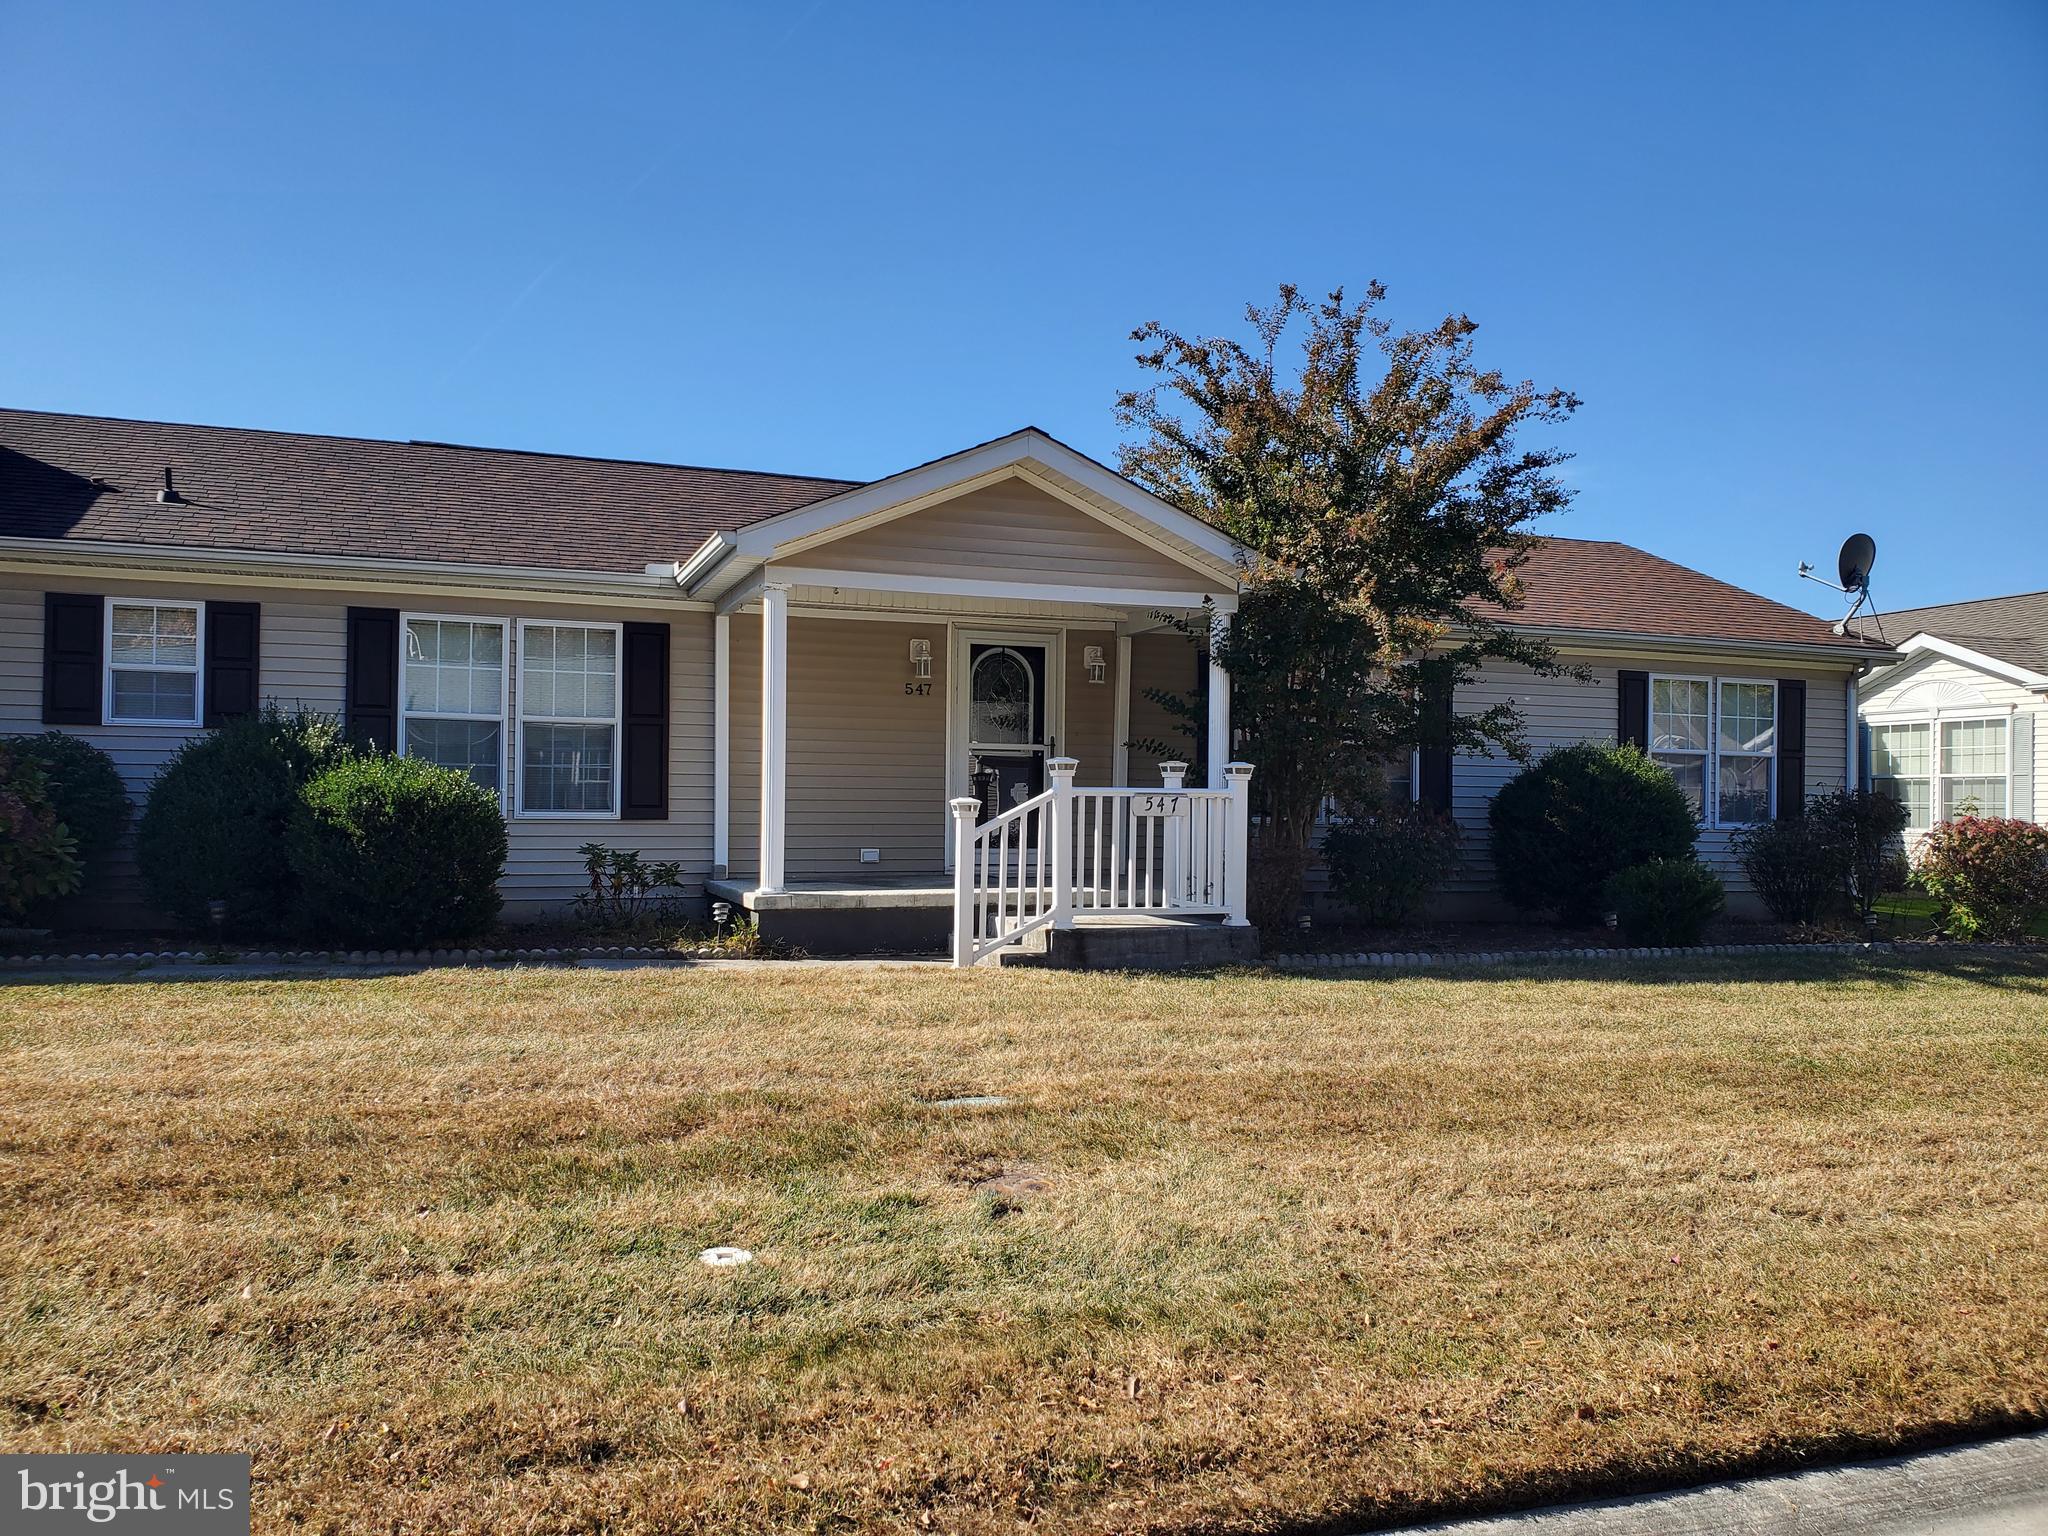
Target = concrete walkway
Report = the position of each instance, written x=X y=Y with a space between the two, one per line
x=1995 y=1489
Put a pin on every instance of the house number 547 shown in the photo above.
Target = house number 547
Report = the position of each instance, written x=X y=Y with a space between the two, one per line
x=917 y=690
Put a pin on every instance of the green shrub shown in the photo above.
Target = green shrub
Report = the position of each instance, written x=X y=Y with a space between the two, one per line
x=1866 y=828
x=1578 y=815
x=623 y=886
x=214 y=824
x=86 y=789
x=1989 y=873
x=1798 y=867
x=1665 y=901
x=394 y=851
x=1385 y=864
x=38 y=859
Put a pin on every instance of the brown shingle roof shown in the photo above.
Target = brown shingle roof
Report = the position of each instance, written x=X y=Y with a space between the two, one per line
x=2013 y=629
x=92 y=478
x=1597 y=585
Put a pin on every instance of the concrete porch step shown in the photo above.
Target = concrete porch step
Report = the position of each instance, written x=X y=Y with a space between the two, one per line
x=1135 y=944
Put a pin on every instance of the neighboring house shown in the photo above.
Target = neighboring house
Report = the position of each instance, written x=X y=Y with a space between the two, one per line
x=1956 y=724
x=781 y=681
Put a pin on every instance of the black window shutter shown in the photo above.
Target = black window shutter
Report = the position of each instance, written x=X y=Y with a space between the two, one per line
x=370 y=706
x=1436 y=750
x=234 y=654
x=645 y=723
x=1791 y=748
x=74 y=651
x=1634 y=722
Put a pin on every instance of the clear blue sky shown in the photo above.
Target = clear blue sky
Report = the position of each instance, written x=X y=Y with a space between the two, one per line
x=1794 y=258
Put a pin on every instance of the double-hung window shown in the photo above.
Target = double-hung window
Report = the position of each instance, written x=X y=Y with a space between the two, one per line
x=1902 y=766
x=1681 y=725
x=1973 y=767
x=153 y=651
x=1719 y=739
x=568 y=719
x=452 y=692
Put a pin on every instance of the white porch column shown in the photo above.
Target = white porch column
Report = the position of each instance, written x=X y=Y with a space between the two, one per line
x=1219 y=721
x=1061 y=771
x=1174 y=776
x=1238 y=776
x=774 y=729
x=1120 y=767
x=721 y=745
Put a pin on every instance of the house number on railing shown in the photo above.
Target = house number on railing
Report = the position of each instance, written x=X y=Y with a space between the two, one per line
x=1159 y=805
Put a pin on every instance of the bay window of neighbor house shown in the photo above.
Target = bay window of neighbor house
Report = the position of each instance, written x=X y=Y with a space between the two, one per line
x=1718 y=737
x=153 y=651
x=452 y=695
x=569 y=719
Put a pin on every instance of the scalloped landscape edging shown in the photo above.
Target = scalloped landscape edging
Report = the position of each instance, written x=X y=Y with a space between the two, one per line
x=1399 y=960
x=198 y=959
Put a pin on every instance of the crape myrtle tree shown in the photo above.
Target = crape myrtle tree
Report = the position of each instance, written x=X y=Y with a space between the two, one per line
x=1387 y=504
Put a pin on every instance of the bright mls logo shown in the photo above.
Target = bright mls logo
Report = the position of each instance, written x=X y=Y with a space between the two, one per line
x=148 y=1495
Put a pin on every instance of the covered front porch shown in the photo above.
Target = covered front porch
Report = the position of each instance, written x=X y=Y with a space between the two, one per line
x=906 y=646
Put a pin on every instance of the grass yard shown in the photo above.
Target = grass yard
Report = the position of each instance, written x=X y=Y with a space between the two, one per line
x=1241 y=1254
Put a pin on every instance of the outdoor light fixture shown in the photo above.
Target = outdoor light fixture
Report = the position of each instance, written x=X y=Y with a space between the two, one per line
x=1098 y=669
x=920 y=658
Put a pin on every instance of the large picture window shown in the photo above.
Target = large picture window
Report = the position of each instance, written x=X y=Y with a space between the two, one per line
x=569 y=719
x=452 y=693
x=1719 y=739
x=153 y=651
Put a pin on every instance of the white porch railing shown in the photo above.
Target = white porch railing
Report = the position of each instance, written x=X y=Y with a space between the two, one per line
x=1070 y=852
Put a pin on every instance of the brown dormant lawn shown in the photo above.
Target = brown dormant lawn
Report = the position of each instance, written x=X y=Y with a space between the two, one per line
x=1265 y=1252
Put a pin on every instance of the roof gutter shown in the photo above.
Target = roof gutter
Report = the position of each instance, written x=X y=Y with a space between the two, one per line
x=1842 y=654
x=709 y=556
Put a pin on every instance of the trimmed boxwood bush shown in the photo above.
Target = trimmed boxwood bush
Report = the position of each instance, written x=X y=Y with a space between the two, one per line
x=38 y=861
x=1666 y=901
x=86 y=789
x=393 y=851
x=214 y=825
x=1990 y=874
x=1577 y=816
x=1384 y=865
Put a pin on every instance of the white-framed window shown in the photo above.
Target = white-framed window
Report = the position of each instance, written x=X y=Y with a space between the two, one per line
x=568 y=719
x=453 y=680
x=1718 y=736
x=1902 y=766
x=1973 y=766
x=1942 y=766
x=1681 y=726
x=154 y=646
x=1746 y=756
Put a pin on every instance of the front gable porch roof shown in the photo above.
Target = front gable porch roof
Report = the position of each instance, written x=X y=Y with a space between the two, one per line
x=800 y=538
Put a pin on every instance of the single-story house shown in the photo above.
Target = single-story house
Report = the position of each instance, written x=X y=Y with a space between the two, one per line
x=1955 y=723
x=795 y=686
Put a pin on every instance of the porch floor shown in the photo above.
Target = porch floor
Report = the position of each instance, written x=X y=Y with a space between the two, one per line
x=905 y=888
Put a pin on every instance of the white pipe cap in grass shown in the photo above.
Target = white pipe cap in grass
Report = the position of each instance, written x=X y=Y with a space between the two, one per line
x=725 y=1258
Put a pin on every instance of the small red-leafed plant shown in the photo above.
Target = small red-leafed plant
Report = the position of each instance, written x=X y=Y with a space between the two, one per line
x=1990 y=874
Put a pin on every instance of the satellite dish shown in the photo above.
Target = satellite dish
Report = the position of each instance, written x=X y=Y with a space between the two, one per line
x=1859 y=554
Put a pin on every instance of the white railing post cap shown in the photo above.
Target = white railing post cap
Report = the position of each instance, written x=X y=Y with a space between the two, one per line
x=964 y=807
x=1237 y=770
x=1064 y=765
x=1173 y=767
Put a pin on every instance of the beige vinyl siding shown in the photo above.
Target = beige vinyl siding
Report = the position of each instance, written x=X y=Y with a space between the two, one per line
x=1166 y=661
x=1558 y=711
x=304 y=640
x=1090 y=736
x=1927 y=682
x=867 y=761
x=1014 y=532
